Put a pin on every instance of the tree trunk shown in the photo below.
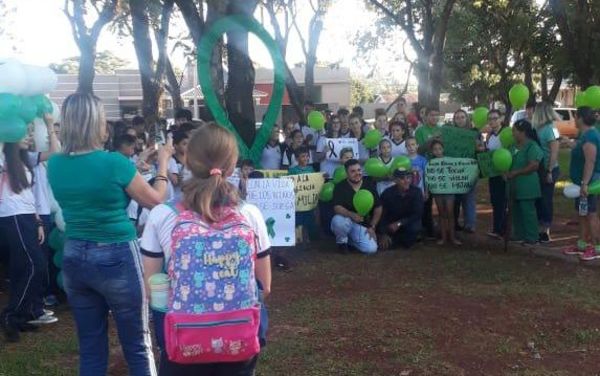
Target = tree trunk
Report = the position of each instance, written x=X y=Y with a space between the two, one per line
x=558 y=78
x=314 y=29
x=293 y=91
x=240 y=84
x=529 y=76
x=143 y=50
x=435 y=80
x=217 y=9
x=544 y=84
x=423 y=87
x=174 y=87
x=86 y=66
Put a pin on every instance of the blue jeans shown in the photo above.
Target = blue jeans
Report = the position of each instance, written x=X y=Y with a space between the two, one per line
x=102 y=277
x=545 y=204
x=348 y=232
x=468 y=202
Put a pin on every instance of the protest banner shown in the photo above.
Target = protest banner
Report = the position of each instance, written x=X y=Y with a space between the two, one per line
x=486 y=166
x=276 y=201
x=451 y=175
x=458 y=142
x=335 y=146
x=307 y=188
x=269 y=174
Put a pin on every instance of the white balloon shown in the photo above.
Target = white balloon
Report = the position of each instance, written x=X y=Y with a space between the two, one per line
x=40 y=135
x=48 y=80
x=572 y=191
x=59 y=220
x=34 y=78
x=13 y=77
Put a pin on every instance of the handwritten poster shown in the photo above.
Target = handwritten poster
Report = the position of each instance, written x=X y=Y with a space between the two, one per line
x=486 y=166
x=458 y=142
x=451 y=175
x=307 y=188
x=273 y=173
x=336 y=145
x=276 y=200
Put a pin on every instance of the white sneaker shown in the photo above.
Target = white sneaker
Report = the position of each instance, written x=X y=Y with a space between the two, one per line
x=43 y=319
x=48 y=312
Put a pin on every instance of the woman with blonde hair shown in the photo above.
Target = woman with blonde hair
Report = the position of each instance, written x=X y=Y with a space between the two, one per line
x=102 y=269
x=208 y=224
x=543 y=120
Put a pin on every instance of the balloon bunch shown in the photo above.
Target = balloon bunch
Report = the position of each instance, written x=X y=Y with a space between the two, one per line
x=588 y=98
x=56 y=240
x=22 y=99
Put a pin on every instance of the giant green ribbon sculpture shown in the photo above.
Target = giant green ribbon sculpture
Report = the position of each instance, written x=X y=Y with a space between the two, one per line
x=205 y=48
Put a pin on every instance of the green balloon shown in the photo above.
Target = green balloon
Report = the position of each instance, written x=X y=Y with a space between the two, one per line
x=581 y=100
x=363 y=201
x=28 y=110
x=327 y=192
x=204 y=54
x=376 y=168
x=506 y=137
x=480 y=117
x=401 y=162
x=372 y=138
x=316 y=120
x=518 y=95
x=339 y=174
x=56 y=240
x=501 y=160
x=12 y=129
x=592 y=95
x=9 y=105
x=43 y=105
x=594 y=188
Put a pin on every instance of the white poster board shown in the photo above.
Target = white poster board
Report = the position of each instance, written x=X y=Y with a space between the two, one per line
x=277 y=202
x=335 y=146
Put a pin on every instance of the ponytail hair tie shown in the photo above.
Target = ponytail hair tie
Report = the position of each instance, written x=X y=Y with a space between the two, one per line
x=216 y=171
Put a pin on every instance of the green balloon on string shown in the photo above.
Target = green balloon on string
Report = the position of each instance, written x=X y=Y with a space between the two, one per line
x=316 y=120
x=363 y=202
x=480 y=117
x=327 y=192
x=401 y=161
x=205 y=48
x=339 y=174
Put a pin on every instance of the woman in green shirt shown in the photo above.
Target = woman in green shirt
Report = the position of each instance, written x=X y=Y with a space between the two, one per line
x=524 y=182
x=543 y=121
x=102 y=268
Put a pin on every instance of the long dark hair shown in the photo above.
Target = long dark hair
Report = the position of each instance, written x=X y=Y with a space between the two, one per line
x=16 y=163
x=526 y=127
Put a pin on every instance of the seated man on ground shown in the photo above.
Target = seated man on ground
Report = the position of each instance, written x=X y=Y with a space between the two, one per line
x=348 y=226
x=402 y=212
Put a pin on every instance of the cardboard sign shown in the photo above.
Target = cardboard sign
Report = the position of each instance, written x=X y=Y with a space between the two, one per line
x=269 y=174
x=307 y=188
x=336 y=145
x=486 y=166
x=458 y=142
x=276 y=201
x=451 y=175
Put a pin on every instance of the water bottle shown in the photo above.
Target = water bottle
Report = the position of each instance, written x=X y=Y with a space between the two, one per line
x=159 y=291
x=583 y=206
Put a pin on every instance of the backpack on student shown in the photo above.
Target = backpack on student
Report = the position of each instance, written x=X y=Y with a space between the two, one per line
x=213 y=314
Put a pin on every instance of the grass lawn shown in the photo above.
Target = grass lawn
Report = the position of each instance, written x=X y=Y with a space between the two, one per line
x=431 y=311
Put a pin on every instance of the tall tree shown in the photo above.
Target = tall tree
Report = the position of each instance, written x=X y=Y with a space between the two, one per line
x=240 y=84
x=85 y=37
x=106 y=63
x=579 y=26
x=425 y=24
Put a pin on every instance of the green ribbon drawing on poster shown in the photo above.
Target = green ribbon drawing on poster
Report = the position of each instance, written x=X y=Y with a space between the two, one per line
x=205 y=48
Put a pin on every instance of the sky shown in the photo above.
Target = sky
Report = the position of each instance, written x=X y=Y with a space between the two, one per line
x=42 y=35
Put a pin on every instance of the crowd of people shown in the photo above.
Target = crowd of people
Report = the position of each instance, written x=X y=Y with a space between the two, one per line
x=143 y=200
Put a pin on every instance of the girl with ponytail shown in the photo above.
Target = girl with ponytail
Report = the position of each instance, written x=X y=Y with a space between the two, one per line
x=210 y=208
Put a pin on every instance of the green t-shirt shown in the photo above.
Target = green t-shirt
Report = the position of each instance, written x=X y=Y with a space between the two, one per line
x=90 y=189
x=527 y=186
x=577 y=158
x=546 y=135
x=425 y=132
x=297 y=170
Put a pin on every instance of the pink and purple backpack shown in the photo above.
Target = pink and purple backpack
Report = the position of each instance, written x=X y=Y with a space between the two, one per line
x=213 y=314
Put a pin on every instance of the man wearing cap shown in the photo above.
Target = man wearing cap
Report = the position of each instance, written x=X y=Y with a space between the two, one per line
x=349 y=227
x=402 y=211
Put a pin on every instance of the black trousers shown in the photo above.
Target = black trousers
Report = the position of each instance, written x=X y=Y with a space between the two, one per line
x=497 y=186
x=428 y=217
x=407 y=234
x=27 y=268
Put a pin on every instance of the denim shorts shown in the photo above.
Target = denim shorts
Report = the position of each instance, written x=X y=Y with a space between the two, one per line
x=592 y=203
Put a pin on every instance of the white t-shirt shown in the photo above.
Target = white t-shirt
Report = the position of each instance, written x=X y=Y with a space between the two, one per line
x=174 y=167
x=493 y=142
x=41 y=187
x=327 y=166
x=15 y=204
x=132 y=212
x=289 y=159
x=157 y=233
x=398 y=149
x=271 y=157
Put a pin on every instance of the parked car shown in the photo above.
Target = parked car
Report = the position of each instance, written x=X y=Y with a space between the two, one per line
x=565 y=126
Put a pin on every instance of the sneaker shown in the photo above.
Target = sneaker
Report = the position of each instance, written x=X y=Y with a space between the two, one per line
x=43 y=319
x=51 y=301
x=573 y=250
x=544 y=237
x=48 y=312
x=590 y=254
